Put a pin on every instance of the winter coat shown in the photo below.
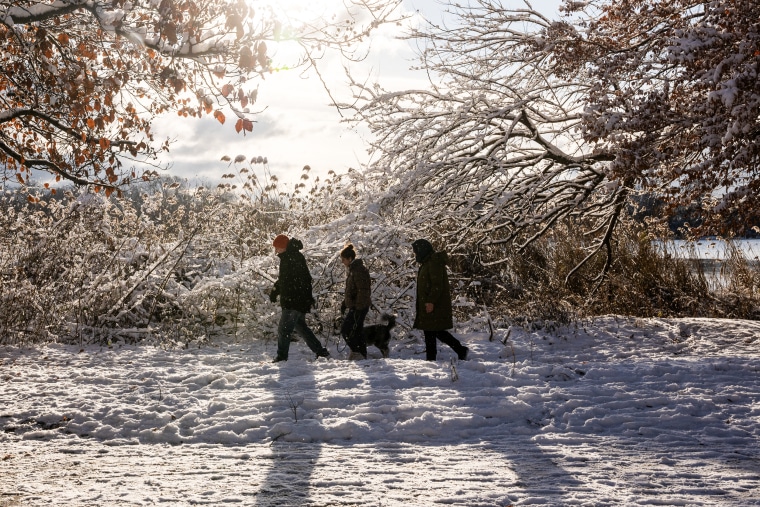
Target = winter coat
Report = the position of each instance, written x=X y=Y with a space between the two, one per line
x=358 y=287
x=433 y=287
x=293 y=284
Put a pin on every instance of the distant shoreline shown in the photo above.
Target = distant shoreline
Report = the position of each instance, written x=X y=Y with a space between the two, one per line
x=710 y=249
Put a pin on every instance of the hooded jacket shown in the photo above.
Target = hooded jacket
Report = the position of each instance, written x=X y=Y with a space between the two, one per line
x=358 y=295
x=293 y=284
x=433 y=287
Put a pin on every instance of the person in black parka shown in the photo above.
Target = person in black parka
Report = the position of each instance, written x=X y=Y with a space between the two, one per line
x=434 y=312
x=293 y=286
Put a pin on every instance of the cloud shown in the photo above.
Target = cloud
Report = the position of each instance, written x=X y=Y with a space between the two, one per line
x=298 y=126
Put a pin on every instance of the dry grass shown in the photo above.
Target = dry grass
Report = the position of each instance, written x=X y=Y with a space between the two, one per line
x=532 y=287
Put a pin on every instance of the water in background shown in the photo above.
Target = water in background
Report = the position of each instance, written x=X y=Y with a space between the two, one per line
x=710 y=249
x=711 y=254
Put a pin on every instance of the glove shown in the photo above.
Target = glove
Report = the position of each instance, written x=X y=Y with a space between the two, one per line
x=343 y=308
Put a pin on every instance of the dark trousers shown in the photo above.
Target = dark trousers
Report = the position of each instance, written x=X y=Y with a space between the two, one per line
x=351 y=330
x=293 y=320
x=431 y=347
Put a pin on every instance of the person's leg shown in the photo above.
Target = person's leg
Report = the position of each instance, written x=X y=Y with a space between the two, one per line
x=308 y=336
x=347 y=327
x=431 y=347
x=351 y=330
x=284 y=330
x=357 y=337
x=452 y=342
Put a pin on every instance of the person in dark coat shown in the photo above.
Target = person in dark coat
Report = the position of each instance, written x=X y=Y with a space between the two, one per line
x=293 y=286
x=357 y=300
x=434 y=313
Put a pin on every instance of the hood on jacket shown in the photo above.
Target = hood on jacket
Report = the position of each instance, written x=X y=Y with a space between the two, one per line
x=441 y=257
x=356 y=263
x=295 y=244
x=422 y=250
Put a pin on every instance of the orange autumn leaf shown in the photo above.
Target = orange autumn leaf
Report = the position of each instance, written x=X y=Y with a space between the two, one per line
x=219 y=116
x=243 y=124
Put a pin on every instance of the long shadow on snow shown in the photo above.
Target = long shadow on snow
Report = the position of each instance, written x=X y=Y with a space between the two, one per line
x=288 y=479
x=498 y=429
x=526 y=469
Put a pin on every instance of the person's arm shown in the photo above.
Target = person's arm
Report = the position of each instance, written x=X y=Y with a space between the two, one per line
x=275 y=292
x=363 y=285
x=435 y=286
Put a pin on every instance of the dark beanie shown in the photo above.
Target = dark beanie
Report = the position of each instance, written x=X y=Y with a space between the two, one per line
x=422 y=249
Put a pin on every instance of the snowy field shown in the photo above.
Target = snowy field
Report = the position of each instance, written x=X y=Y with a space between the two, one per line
x=618 y=411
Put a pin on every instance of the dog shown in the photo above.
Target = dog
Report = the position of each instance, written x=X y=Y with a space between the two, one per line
x=379 y=335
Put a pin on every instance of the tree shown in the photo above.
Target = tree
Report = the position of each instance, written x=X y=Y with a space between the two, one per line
x=677 y=100
x=530 y=121
x=82 y=80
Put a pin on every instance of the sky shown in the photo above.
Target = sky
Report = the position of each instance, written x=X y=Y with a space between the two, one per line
x=609 y=411
x=298 y=126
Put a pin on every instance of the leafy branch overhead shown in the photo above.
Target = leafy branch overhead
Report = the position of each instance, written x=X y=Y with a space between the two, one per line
x=529 y=121
x=81 y=81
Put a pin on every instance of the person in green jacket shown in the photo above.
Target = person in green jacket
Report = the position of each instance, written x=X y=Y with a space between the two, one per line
x=293 y=286
x=434 y=313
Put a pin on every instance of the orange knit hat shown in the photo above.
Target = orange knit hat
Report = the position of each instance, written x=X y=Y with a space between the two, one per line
x=281 y=241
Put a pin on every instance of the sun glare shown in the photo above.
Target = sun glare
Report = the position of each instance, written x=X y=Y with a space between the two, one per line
x=305 y=11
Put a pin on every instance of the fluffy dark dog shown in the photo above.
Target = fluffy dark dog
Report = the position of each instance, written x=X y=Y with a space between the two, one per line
x=379 y=335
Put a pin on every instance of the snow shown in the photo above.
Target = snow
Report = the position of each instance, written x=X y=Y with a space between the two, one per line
x=612 y=411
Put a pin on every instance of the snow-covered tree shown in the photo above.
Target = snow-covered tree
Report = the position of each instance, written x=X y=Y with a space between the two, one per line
x=530 y=120
x=82 y=80
x=676 y=99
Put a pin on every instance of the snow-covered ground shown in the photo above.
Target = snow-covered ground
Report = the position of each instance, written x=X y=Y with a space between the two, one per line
x=617 y=411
